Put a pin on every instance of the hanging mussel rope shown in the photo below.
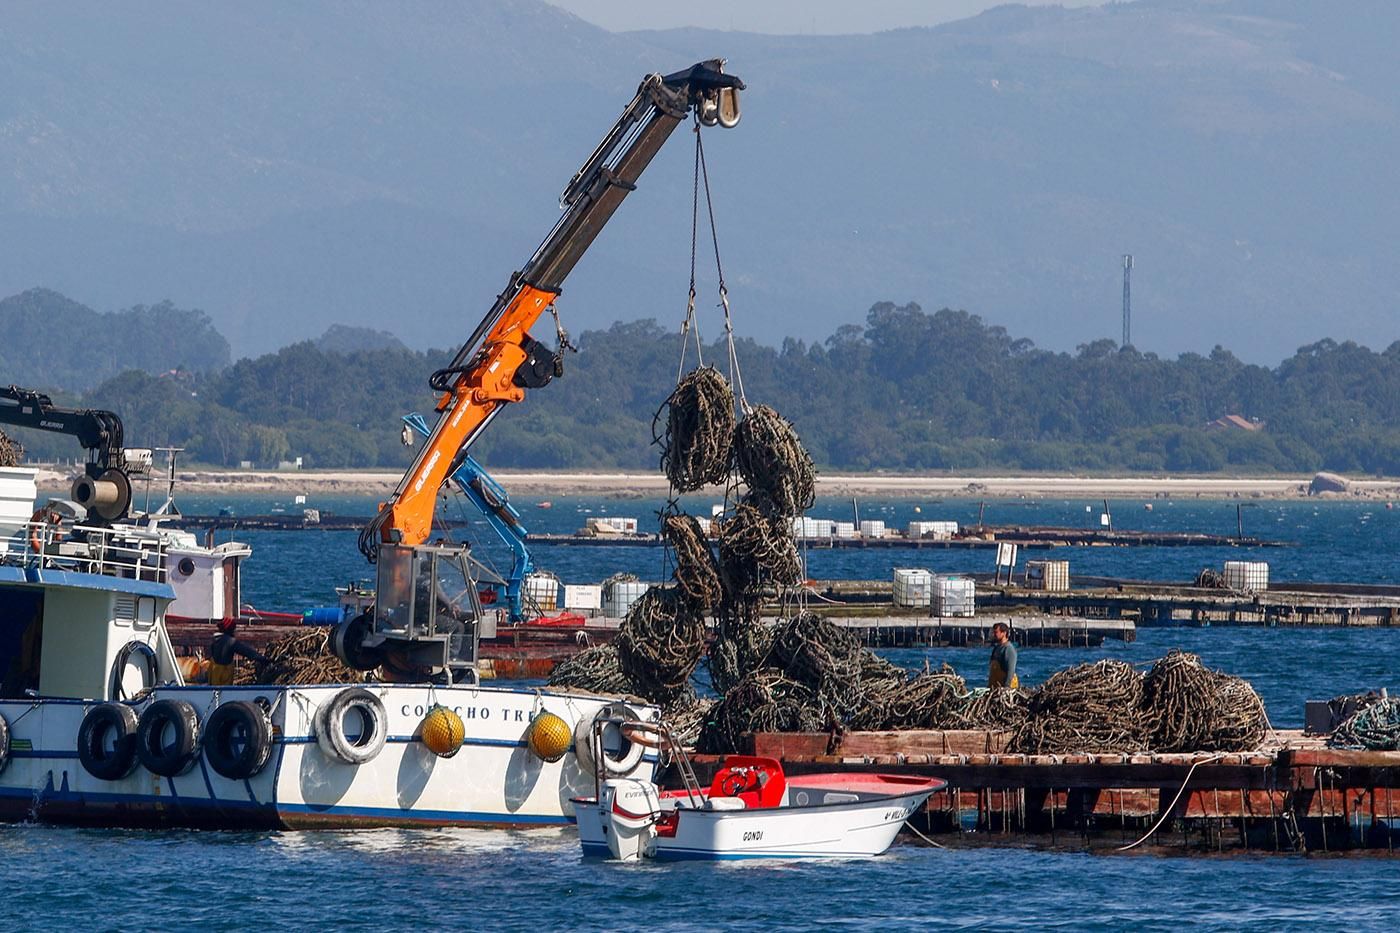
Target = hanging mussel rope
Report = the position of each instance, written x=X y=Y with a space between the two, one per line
x=303 y=657
x=757 y=546
x=660 y=642
x=1189 y=707
x=1086 y=708
x=772 y=461
x=594 y=670
x=699 y=429
x=697 y=572
x=741 y=643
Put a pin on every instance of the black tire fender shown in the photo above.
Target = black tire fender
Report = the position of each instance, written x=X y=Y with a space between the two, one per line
x=238 y=739
x=330 y=726
x=114 y=720
x=178 y=719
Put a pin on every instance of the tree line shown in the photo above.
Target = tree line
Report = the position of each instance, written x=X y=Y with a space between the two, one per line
x=905 y=391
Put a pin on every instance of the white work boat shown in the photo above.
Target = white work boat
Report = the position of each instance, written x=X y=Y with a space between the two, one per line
x=751 y=810
x=98 y=726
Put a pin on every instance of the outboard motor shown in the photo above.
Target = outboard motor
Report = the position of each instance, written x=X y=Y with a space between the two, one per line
x=630 y=810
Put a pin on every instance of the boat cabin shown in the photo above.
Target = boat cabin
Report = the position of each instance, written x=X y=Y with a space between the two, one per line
x=82 y=608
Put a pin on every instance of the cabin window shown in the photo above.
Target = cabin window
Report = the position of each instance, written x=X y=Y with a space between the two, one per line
x=21 y=641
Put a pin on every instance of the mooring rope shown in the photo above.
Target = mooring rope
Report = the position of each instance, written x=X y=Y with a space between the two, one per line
x=1166 y=814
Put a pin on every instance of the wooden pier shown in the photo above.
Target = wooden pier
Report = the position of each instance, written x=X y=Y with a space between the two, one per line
x=1294 y=795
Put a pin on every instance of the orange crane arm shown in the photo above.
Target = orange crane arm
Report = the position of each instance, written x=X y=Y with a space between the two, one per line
x=501 y=360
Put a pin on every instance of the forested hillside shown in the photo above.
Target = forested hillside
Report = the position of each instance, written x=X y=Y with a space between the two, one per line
x=55 y=342
x=908 y=390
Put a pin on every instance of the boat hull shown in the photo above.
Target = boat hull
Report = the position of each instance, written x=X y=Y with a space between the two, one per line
x=829 y=825
x=493 y=780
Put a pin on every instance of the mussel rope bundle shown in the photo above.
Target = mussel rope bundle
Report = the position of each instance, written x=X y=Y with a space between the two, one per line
x=660 y=642
x=303 y=657
x=764 y=701
x=594 y=670
x=755 y=546
x=995 y=710
x=687 y=717
x=695 y=445
x=929 y=701
x=740 y=646
x=11 y=451
x=1188 y=707
x=1087 y=708
x=697 y=571
x=818 y=653
x=772 y=461
x=1375 y=727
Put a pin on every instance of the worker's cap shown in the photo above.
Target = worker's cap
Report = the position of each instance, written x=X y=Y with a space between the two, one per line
x=227 y=625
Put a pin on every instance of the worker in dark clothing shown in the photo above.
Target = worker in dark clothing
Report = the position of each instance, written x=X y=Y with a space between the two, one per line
x=1002 y=672
x=224 y=652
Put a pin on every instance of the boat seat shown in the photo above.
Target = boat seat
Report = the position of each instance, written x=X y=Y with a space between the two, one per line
x=727 y=803
x=758 y=782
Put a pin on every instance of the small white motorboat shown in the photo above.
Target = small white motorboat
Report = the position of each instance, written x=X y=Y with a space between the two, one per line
x=750 y=810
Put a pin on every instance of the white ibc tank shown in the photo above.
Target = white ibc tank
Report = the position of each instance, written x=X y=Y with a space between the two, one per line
x=542 y=589
x=619 y=595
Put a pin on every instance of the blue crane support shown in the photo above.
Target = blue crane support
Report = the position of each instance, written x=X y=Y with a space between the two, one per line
x=491 y=498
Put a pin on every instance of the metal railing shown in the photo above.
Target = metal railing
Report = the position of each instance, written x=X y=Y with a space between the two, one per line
x=82 y=549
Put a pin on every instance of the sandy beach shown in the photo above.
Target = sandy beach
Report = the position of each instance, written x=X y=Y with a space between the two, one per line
x=634 y=485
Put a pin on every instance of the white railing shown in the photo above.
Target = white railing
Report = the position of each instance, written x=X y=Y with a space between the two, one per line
x=82 y=549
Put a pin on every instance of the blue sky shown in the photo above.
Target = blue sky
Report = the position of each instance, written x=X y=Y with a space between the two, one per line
x=795 y=17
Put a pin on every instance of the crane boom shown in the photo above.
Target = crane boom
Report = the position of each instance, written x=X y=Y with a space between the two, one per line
x=500 y=360
x=105 y=487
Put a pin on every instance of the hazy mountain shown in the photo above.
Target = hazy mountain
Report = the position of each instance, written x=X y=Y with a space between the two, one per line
x=345 y=339
x=53 y=343
x=386 y=165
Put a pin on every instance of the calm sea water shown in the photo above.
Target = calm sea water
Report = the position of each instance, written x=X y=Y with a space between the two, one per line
x=62 y=878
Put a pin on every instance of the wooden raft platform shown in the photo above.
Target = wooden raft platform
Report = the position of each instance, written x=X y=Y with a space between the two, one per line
x=1293 y=795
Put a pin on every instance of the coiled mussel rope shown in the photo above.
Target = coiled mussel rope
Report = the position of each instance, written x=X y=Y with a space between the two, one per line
x=1375 y=727
x=772 y=461
x=1086 y=708
x=697 y=572
x=699 y=429
x=1189 y=707
x=660 y=643
x=593 y=670
x=757 y=546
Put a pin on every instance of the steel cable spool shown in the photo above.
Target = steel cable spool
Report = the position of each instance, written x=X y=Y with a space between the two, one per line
x=593 y=670
x=697 y=571
x=660 y=642
x=1087 y=708
x=757 y=546
x=772 y=461
x=695 y=444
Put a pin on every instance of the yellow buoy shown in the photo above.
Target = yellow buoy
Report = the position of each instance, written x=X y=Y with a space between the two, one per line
x=550 y=736
x=442 y=731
